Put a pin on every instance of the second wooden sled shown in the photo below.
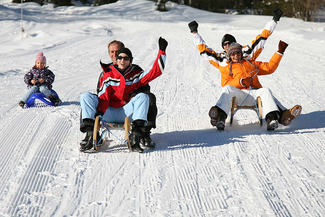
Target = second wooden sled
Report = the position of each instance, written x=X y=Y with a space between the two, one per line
x=106 y=126
x=257 y=108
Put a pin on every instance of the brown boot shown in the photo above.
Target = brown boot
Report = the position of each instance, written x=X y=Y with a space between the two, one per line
x=290 y=114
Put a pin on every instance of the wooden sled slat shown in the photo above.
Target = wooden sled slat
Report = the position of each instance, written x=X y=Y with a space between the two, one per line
x=235 y=108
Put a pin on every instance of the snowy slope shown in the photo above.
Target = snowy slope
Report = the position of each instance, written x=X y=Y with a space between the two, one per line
x=195 y=170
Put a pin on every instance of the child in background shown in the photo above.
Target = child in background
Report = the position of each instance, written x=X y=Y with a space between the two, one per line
x=40 y=79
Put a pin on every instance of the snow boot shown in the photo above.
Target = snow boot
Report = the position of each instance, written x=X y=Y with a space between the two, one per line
x=136 y=135
x=272 y=120
x=146 y=142
x=21 y=104
x=55 y=100
x=288 y=115
x=218 y=117
x=87 y=142
x=86 y=125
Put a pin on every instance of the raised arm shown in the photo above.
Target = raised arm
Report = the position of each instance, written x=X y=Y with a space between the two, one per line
x=213 y=57
x=156 y=70
x=266 y=68
x=252 y=51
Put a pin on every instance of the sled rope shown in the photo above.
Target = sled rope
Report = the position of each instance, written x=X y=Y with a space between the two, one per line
x=123 y=142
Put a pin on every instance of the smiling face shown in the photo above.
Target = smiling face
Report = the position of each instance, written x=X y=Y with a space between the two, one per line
x=123 y=61
x=225 y=45
x=112 y=52
x=236 y=57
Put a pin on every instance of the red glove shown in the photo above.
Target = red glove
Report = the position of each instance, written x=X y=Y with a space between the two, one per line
x=246 y=82
x=282 y=47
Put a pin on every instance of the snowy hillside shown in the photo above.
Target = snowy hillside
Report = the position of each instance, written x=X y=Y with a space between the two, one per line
x=194 y=170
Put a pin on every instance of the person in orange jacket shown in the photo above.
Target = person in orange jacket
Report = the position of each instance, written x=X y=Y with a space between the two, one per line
x=241 y=81
x=250 y=52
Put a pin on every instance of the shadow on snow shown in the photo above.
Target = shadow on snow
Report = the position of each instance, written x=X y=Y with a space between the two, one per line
x=236 y=133
x=171 y=141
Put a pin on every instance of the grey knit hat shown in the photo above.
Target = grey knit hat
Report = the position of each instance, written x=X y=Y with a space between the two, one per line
x=234 y=48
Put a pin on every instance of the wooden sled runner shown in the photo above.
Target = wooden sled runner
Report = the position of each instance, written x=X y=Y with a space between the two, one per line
x=106 y=126
x=257 y=108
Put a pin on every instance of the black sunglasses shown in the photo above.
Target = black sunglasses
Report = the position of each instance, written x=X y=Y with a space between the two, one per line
x=125 y=58
x=226 y=43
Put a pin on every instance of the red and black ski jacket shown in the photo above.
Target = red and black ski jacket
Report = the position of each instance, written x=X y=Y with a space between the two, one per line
x=115 y=89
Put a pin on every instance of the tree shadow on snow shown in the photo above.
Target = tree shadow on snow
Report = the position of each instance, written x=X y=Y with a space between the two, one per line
x=235 y=133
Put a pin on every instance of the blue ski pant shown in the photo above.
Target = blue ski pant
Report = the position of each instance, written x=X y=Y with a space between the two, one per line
x=35 y=89
x=136 y=109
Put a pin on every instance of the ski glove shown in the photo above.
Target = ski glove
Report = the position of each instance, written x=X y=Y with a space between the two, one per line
x=193 y=26
x=246 y=82
x=282 y=47
x=162 y=44
x=277 y=13
x=98 y=113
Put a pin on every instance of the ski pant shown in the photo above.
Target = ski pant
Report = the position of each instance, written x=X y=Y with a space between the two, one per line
x=152 y=111
x=136 y=109
x=246 y=97
x=35 y=89
x=280 y=106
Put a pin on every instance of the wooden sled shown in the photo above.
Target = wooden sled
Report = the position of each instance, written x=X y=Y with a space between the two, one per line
x=257 y=109
x=106 y=126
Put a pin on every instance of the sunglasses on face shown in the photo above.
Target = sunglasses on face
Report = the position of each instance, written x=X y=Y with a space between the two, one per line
x=125 y=58
x=226 y=43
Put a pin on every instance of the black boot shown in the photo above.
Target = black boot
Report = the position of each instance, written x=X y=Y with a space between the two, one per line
x=136 y=135
x=218 y=117
x=146 y=141
x=87 y=142
x=21 y=104
x=55 y=100
x=272 y=120
x=86 y=125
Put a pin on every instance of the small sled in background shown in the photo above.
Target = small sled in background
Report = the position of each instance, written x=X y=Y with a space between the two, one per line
x=39 y=100
x=102 y=127
x=257 y=108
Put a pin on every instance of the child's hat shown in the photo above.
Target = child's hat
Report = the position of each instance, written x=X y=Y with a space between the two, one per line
x=40 y=57
x=234 y=48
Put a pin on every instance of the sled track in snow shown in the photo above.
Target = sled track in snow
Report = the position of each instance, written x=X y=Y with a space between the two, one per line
x=269 y=191
x=269 y=173
x=13 y=148
x=30 y=196
x=115 y=183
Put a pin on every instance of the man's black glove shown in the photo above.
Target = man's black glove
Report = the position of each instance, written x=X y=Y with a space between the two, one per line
x=98 y=113
x=162 y=44
x=193 y=26
x=277 y=13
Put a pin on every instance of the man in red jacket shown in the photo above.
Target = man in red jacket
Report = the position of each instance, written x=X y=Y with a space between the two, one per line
x=115 y=95
x=146 y=142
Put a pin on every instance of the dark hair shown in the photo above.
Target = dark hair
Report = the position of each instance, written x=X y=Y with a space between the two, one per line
x=119 y=43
